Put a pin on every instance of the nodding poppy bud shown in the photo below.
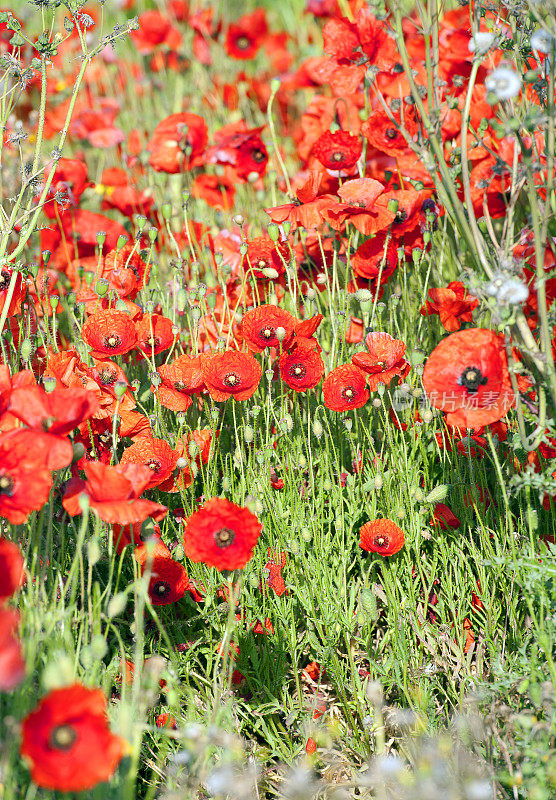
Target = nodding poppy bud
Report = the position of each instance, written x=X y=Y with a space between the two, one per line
x=438 y=494
x=368 y=604
x=26 y=349
x=166 y=211
x=318 y=430
x=238 y=219
x=181 y=300
x=248 y=434
x=243 y=249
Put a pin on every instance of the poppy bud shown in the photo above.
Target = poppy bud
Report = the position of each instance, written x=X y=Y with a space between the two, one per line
x=248 y=434
x=438 y=494
x=152 y=234
x=166 y=211
x=26 y=349
x=238 y=219
x=121 y=241
x=318 y=430
x=93 y=552
x=378 y=482
x=270 y=273
x=181 y=300
x=286 y=227
x=120 y=388
x=49 y=383
x=101 y=238
x=273 y=231
x=101 y=287
x=78 y=452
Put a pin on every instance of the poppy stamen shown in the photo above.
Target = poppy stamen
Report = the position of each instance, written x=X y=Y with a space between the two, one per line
x=348 y=393
x=243 y=42
x=232 y=379
x=380 y=541
x=390 y=133
x=153 y=464
x=258 y=156
x=161 y=589
x=4 y=280
x=472 y=379
x=63 y=737
x=224 y=537
x=112 y=341
x=298 y=371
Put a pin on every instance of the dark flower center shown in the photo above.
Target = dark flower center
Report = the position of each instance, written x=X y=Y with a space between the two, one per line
x=348 y=393
x=224 y=537
x=258 y=155
x=267 y=333
x=107 y=377
x=338 y=156
x=112 y=341
x=380 y=541
x=47 y=423
x=153 y=464
x=390 y=133
x=6 y=485
x=472 y=379
x=231 y=379
x=401 y=216
x=262 y=264
x=152 y=342
x=179 y=386
x=243 y=42
x=62 y=737
x=298 y=370
x=161 y=589
x=4 y=280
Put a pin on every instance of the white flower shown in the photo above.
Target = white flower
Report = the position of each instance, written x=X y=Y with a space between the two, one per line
x=503 y=82
x=507 y=290
x=542 y=41
x=481 y=42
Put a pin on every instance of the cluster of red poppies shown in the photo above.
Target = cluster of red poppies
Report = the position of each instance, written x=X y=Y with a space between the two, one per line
x=360 y=202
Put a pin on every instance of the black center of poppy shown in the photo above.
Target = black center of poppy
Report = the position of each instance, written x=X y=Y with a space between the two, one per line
x=112 y=341
x=231 y=379
x=243 y=42
x=4 y=280
x=348 y=393
x=257 y=155
x=62 y=737
x=262 y=264
x=6 y=485
x=338 y=156
x=152 y=342
x=179 y=386
x=298 y=370
x=401 y=216
x=47 y=423
x=224 y=537
x=380 y=541
x=472 y=378
x=153 y=464
x=161 y=589
x=267 y=333
x=390 y=133
x=107 y=377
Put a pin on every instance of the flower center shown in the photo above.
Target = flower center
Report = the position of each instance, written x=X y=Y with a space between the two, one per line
x=390 y=133
x=298 y=370
x=380 y=541
x=153 y=464
x=231 y=379
x=107 y=377
x=348 y=393
x=112 y=341
x=152 y=342
x=257 y=155
x=224 y=537
x=179 y=386
x=6 y=485
x=401 y=216
x=63 y=737
x=4 y=280
x=161 y=589
x=267 y=333
x=338 y=156
x=472 y=379
x=243 y=42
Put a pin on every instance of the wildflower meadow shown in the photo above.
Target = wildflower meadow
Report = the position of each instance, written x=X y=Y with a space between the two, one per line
x=278 y=399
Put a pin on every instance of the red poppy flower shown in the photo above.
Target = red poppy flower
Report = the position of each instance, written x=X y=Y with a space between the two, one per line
x=467 y=377
x=239 y=148
x=12 y=574
x=169 y=580
x=12 y=663
x=221 y=535
x=158 y=456
x=202 y=440
x=360 y=207
x=444 y=517
x=264 y=254
x=155 y=29
x=154 y=334
x=231 y=374
x=384 y=359
x=216 y=190
x=178 y=143
x=274 y=568
x=246 y=35
x=113 y=493
x=345 y=388
x=375 y=258
x=381 y=536
x=67 y=740
x=339 y=151
x=166 y=721
x=452 y=304
x=68 y=184
x=109 y=333
x=301 y=366
x=382 y=133
x=53 y=415
x=126 y=271
x=25 y=480
x=308 y=202
x=180 y=379
x=258 y=326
